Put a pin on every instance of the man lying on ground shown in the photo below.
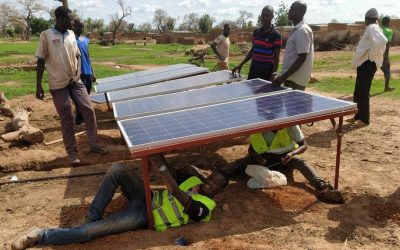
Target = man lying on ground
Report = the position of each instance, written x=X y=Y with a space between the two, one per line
x=277 y=149
x=188 y=198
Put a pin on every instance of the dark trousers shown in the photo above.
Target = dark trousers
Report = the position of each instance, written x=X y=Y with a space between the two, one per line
x=87 y=81
x=259 y=72
x=365 y=74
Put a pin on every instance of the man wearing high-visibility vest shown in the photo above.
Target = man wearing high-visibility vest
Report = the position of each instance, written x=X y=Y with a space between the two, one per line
x=188 y=198
x=278 y=150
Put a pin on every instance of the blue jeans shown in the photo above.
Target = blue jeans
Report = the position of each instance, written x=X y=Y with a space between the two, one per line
x=131 y=218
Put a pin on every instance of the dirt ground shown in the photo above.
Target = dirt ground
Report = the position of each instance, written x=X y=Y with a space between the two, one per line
x=287 y=217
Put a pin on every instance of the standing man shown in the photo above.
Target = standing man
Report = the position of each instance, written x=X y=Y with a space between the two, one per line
x=220 y=46
x=59 y=52
x=265 y=51
x=367 y=57
x=87 y=73
x=388 y=32
x=299 y=51
x=188 y=198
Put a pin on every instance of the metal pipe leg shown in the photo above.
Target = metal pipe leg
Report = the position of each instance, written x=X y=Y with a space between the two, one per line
x=338 y=150
x=146 y=182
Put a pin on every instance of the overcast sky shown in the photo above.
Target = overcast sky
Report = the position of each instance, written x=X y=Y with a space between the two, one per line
x=319 y=11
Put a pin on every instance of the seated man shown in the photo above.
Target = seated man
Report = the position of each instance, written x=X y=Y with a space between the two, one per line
x=188 y=198
x=277 y=150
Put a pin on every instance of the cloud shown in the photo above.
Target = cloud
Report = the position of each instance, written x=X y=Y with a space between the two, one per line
x=227 y=11
x=146 y=8
x=193 y=3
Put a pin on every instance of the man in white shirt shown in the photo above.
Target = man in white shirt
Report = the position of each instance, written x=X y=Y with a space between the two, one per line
x=299 y=51
x=58 y=51
x=220 y=46
x=366 y=59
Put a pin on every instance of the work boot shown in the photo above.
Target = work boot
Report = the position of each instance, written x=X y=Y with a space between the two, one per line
x=73 y=159
x=99 y=149
x=326 y=193
x=389 y=88
x=26 y=240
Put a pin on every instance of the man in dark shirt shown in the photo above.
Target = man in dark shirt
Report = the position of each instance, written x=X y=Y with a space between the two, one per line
x=265 y=52
x=188 y=198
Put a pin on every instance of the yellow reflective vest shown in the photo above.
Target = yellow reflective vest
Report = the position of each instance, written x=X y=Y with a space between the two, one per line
x=168 y=211
x=281 y=143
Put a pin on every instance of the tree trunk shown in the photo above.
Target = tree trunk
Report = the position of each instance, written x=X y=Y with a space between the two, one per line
x=65 y=3
x=20 y=122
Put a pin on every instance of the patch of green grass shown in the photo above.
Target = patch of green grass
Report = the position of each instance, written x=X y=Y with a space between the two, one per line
x=346 y=86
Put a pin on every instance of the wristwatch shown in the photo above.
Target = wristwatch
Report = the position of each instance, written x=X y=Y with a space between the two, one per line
x=162 y=168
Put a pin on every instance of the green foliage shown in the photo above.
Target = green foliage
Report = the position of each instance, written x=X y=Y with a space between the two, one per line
x=38 y=25
x=281 y=15
x=205 y=23
x=11 y=32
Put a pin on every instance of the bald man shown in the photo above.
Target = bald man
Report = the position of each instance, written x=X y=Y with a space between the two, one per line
x=299 y=51
x=265 y=52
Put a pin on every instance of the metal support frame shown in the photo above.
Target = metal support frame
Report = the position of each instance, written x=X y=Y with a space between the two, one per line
x=108 y=102
x=147 y=191
x=339 y=135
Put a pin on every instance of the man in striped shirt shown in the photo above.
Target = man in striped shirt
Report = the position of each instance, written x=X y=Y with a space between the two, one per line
x=299 y=51
x=264 y=54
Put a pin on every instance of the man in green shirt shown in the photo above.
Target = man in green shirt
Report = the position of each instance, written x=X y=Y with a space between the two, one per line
x=388 y=32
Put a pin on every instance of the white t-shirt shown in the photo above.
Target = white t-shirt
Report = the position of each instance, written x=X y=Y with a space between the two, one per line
x=60 y=53
x=223 y=44
x=371 y=46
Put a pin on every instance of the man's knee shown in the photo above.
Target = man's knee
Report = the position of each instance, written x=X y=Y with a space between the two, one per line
x=118 y=168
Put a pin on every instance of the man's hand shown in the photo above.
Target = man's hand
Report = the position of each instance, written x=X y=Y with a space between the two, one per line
x=285 y=160
x=272 y=77
x=94 y=78
x=278 y=81
x=237 y=68
x=39 y=92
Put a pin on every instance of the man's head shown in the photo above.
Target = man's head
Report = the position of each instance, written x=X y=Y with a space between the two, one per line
x=78 y=27
x=226 y=30
x=371 y=16
x=267 y=14
x=64 y=18
x=214 y=184
x=297 y=11
x=386 y=21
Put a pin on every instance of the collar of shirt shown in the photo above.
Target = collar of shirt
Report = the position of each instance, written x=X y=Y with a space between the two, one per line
x=81 y=38
x=263 y=32
x=56 y=31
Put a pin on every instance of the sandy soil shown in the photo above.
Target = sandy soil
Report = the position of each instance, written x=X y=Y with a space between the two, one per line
x=285 y=217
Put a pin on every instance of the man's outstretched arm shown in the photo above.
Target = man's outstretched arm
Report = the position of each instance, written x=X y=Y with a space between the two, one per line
x=39 y=76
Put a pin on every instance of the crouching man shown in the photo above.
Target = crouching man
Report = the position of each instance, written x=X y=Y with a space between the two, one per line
x=188 y=198
x=277 y=150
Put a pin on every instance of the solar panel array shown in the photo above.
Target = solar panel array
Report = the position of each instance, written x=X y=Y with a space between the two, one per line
x=191 y=99
x=171 y=86
x=149 y=79
x=144 y=73
x=191 y=124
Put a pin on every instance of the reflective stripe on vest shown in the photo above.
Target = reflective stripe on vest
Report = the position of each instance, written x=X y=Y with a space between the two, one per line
x=281 y=143
x=168 y=211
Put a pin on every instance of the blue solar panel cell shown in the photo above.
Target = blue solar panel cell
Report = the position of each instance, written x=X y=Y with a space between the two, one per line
x=191 y=124
x=149 y=79
x=144 y=73
x=98 y=98
x=191 y=99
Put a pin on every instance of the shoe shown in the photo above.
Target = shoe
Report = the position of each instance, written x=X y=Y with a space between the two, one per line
x=99 y=149
x=352 y=120
x=73 y=159
x=360 y=123
x=26 y=240
x=389 y=89
x=330 y=195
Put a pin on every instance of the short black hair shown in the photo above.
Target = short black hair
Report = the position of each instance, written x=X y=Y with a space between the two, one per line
x=62 y=12
x=385 y=20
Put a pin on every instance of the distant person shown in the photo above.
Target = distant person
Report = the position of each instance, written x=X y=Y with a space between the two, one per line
x=87 y=73
x=388 y=32
x=366 y=59
x=220 y=46
x=277 y=150
x=188 y=198
x=58 y=50
x=266 y=48
x=299 y=51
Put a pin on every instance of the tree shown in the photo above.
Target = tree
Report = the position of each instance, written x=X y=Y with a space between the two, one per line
x=93 y=24
x=205 y=23
x=117 y=19
x=145 y=27
x=244 y=16
x=30 y=7
x=11 y=32
x=10 y=16
x=282 y=15
x=38 y=25
x=232 y=24
x=162 y=21
x=190 y=22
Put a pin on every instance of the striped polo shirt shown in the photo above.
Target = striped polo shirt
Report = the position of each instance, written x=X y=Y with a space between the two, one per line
x=264 y=44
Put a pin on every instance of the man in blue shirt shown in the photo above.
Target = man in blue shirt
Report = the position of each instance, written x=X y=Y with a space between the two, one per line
x=87 y=73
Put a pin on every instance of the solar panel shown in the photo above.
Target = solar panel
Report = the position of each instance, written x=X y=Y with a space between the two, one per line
x=173 y=86
x=149 y=79
x=221 y=119
x=98 y=98
x=191 y=99
x=144 y=73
